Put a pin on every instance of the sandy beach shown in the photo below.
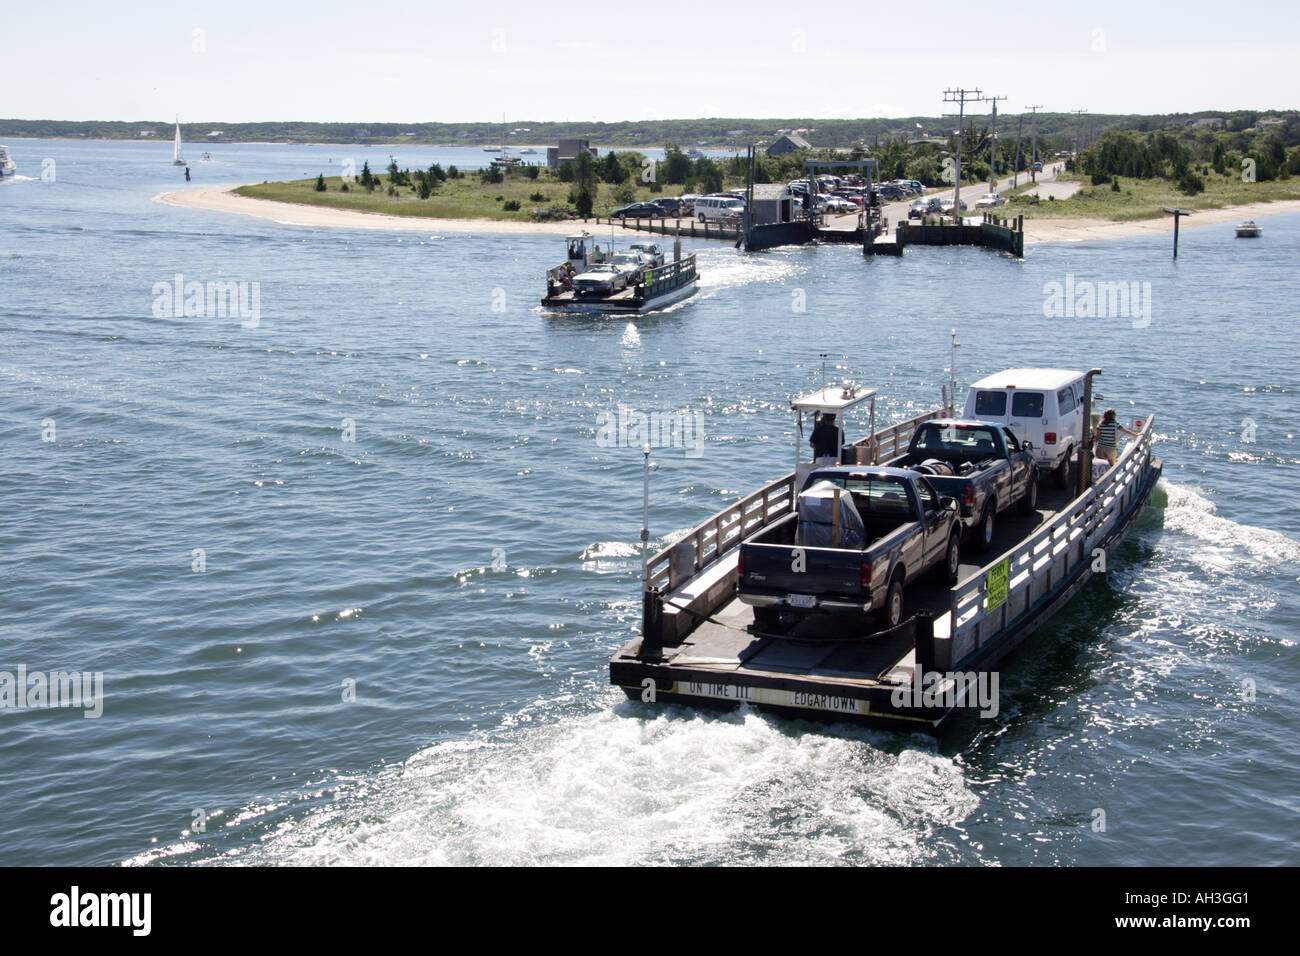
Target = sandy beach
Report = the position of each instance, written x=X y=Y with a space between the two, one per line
x=222 y=199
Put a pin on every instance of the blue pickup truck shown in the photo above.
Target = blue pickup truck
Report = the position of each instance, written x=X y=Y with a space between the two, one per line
x=858 y=535
x=981 y=464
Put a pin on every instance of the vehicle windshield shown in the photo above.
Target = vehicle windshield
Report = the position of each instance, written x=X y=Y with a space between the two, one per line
x=627 y=258
x=969 y=442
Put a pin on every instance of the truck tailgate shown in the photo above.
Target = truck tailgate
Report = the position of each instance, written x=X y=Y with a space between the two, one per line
x=783 y=567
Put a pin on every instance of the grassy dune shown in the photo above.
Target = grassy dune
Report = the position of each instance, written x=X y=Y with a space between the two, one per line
x=1143 y=198
x=464 y=198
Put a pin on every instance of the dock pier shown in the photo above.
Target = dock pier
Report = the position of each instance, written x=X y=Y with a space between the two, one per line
x=1002 y=235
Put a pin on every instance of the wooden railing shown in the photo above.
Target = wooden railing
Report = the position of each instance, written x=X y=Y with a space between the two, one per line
x=893 y=441
x=709 y=541
x=724 y=531
x=1038 y=564
x=671 y=274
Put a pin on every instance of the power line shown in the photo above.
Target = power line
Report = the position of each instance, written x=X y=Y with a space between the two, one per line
x=960 y=97
x=1078 y=134
x=993 y=145
x=1032 y=174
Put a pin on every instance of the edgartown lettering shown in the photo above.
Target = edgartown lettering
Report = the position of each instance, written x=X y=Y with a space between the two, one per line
x=102 y=909
x=25 y=691
x=949 y=690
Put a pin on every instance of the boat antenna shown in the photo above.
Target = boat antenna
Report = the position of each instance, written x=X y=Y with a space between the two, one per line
x=952 y=375
x=645 y=513
x=823 y=356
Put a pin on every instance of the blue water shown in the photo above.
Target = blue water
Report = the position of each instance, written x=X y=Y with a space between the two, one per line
x=468 y=560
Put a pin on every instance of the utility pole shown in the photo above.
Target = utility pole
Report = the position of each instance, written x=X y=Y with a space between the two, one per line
x=993 y=146
x=1032 y=174
x=1078 y=135
x=1015 y=171
x=959 y=97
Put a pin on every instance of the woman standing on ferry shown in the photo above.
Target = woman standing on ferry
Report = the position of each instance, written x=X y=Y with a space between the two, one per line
x=1108 y=436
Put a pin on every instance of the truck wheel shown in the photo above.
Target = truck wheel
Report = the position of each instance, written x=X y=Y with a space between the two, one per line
x=951 y=567
x=1029 y=501
x=984 y=530
x=1061 y=475
x=892 y=616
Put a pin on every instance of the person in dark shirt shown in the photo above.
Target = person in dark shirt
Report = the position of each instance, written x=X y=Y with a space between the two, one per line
x=825 y=440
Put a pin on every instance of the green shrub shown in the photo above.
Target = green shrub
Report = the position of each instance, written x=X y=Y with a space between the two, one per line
x=320 y=183
x=537 y=197
x=511 y=206
x=531 y=172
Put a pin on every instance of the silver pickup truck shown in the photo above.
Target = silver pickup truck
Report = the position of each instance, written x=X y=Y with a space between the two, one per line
x=858 y=536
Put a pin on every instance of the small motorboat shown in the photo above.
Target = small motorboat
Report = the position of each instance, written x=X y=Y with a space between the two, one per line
x=1248 y=230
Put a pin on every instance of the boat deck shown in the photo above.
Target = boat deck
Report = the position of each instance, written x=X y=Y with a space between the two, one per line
x=727 y=645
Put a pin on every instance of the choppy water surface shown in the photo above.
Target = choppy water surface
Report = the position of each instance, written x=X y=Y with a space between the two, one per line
x=394 y=480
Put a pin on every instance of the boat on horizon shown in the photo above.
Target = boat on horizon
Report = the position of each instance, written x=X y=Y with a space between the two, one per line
x=178 y=159
x=1248 y=230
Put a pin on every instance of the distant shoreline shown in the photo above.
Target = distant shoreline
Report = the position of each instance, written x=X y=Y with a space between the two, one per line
x=222 y=199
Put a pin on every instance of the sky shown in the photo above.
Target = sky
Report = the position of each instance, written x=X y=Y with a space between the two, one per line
x=343 y=60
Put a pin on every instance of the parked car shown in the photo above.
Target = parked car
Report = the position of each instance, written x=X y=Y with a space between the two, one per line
x=1038 y=165
x=671 y=206
x=1042 y=406
x=638 y=210
x=989 y=200
x=718 y=207
x=835 y=205
x=890 y=191
x=947 y=206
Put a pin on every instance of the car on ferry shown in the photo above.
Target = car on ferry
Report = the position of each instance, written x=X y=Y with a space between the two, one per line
x=601 y=280
x=1041 y=406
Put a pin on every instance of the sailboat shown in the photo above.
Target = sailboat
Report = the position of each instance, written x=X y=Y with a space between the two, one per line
x=177 y=158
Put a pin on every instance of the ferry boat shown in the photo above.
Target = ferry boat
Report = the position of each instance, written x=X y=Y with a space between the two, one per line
x=593 y=281
x=700 y=645
x=7 y=166
x=1248 y=230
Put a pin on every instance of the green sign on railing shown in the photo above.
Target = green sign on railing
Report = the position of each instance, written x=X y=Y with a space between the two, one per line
x=995 y=586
